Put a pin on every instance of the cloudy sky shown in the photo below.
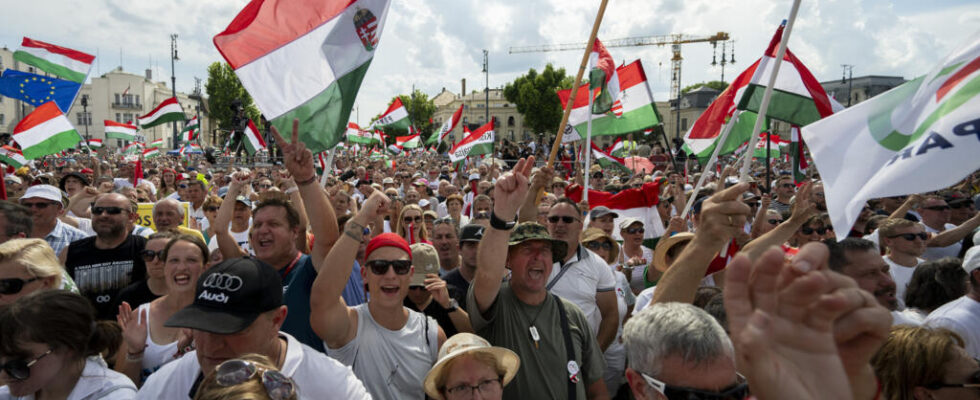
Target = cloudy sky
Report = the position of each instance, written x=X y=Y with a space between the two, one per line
x=432 y=44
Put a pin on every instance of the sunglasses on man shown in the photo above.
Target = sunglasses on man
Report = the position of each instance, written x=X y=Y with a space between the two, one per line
x=380 y=267
x=563 y=218
x=738 y=391
x=911 y=236
x=809 y=231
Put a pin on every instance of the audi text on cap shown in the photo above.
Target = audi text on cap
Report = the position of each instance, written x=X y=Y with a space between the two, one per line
x=229 y=296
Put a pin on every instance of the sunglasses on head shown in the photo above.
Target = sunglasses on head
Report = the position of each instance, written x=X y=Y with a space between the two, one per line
x=408 y=220
x=563 y=218
x=21 y=369
x=911 y=236
x=738 y=391
x=820 y=231
x=380 y=267
x=149 y=255
x=107 y=210
x=14 y=285
x=597 y=245
x=237 y=372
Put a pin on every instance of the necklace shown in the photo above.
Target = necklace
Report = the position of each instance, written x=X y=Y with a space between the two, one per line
x=533 y=330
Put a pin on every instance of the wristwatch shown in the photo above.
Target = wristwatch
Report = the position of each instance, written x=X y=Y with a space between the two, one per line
x=453 y=306
x=497 y=223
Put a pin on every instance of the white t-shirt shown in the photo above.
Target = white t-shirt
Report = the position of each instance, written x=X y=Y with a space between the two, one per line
x=316 y=375
x=901 y=275
x=615 y=354
x=96 y=382
x=902 y=318
x=578 y=281
x=963 y=317
x=935 y=253
x=636 y=279
x=240 y=237
x=646 y=296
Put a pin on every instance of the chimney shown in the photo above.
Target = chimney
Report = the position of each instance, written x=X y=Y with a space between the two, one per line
x=149 y=74
x=463 y=92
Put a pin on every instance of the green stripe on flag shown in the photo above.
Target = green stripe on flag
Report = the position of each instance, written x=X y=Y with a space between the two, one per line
x=168 y=117
x=632 y=121
x=117 y=135
x=784 y=106
x=740 y=134
x=53 y=144
x=49 y=67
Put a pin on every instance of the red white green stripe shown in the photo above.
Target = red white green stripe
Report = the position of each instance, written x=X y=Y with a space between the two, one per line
x=12 y=156
x=604 y=78
x=448 y=126
x=45 y=131
x=66 y=63
x=409 y=142
x=119 y=130
x=774 y=146
x=478 y=142
x=167 y=111
x=630 y=203
x=151 y=152
x=253 y=140
x=357 y=135
x=638 y=109
x=157 y=143
x=305 y=60
x=607 y=161
x=95 y=143
x=395 y=117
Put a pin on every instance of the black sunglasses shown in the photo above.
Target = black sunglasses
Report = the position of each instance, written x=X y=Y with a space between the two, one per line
x=597 y=176
x=788 y=185
x=809 y=231
x=596 y=245
x=149 y=255
x=563 y=218
x=633 y=231
x=40 y=205
x=911 y=236
x=108 y=210
x=408 y=220
x=21 y=369
x=14 y=285
x=182 y=186
x=933 y=208
x=211 y=208
x=775 y=221
x=380 y=267
x=482 y=215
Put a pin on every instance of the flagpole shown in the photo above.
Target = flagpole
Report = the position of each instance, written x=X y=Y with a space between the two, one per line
x=323 y=178
x=588 y=149
x=711 y=161
x=768 y=167
x=767 y=96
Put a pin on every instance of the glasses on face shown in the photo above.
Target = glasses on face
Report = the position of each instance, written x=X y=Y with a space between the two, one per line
x=416 y=219
x=236 y=372
x=14 y=285
x=264 y=185
x=488 y=388
x=775 y=221
x=809 y=231
x=597 y=245
x=563 y=218
x=149 y=255
x=482 y=215
x=738 y=391
x=21 y=369
x=633 y=231
x=788 y=186
x=107 y=210
x=933 y=208
x=211 y=209
x=182 y=186
x=380 y=267
x=752 y=204
x=972 y=382
x=40 y=205
x=911 y=236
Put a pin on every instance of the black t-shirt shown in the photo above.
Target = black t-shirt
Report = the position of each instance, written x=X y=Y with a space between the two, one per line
x=438 y=313
x=458 y=286
x=101 y=274
x=137 y=294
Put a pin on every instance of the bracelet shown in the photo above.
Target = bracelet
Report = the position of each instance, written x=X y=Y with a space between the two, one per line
x=357 y=233
x=307 y=182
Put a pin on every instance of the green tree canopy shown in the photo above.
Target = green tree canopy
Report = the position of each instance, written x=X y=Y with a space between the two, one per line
x=536 y=98
x=717 y=85
x=223 y=88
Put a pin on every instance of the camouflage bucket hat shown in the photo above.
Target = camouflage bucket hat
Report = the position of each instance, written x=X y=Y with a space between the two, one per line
x=526 y=231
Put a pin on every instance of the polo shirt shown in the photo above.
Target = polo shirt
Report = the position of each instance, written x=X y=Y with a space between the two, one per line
x=578 y=281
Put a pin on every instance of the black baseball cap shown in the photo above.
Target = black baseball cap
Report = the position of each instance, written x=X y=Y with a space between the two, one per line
x=230 y=296
x=471 y=233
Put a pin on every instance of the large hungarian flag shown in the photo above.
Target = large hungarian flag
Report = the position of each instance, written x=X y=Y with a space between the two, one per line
x=918 y=137
x=119 y=130
x=167 y=111
x=604 y=80
x=638 y=110
x=66 y=63
x=409 y=142
x=478 y=142
x=305 y=60
x=253 y=139
x=448 y=126
x=395 y=117
x=357 y=135
x=45 y=131
x=12 y=156
x=629 y=203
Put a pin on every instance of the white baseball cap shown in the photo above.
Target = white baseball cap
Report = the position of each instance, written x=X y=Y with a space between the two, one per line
x=46 y=192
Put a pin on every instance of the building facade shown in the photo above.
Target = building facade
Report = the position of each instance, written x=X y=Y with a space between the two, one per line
x=508 y=124
x=860 y=88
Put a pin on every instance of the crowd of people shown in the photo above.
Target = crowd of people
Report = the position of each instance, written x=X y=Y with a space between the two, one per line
x=413 y=278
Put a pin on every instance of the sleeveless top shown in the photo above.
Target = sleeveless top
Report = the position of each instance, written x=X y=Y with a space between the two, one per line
x=155 y=355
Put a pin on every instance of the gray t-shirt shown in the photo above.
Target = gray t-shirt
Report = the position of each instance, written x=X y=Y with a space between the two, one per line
x=392 y=364
x=544 y=369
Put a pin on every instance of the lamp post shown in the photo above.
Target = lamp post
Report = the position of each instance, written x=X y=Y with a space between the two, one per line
x=173 y=80
x=85 y=117
x=849 y=71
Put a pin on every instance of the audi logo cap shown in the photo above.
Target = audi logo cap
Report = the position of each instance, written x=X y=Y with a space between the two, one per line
x=230 y=296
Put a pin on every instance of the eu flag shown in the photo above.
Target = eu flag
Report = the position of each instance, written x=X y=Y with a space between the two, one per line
x=38 y=89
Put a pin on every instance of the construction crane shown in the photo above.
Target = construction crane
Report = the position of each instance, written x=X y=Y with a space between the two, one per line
x=674 y=40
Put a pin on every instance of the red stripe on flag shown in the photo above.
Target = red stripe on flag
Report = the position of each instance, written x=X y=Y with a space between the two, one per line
x=970 y=68
x=172 y=100
x=72 y=54
x=255 y=131
x=40 y=115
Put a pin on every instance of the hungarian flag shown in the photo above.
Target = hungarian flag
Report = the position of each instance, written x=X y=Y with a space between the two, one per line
x=253 y=140
x=189 y=133
x=66 y=63
x=618 y=149
x=629 y=203
x=167 y=111
x=478 y=142
x=305 y=60
x=95 y=143
x=12 y=156
x=918 y=137
x=45 y=131
x=608 y=161
x=448 y=126
x=638 y=109
x=119 y=130
x=395 y=149
x=395 y=117
x=157 y=143
x=151 y=152
x=775 y=144
x=797 y=159
x=356 y=135
x=133 y=148
x=321 y=162
x=603 y=81
x=379 y=138
x=409 y=142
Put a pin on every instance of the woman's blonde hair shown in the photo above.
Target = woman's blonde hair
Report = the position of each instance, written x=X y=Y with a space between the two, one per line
x=35 y=255
x=914 y=356
x=251 y=389
x=402 y=229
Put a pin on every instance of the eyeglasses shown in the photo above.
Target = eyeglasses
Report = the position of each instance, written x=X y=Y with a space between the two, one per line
x=597 y=176
x=972 y=382
x=633 y=231
x=21 y=369
x=775 y=221
x=911 y=236
x=408 y=220
x=933 y=208
x=14 y=285
x=738 y=391
x=264 y=185
x=40 y=205
x=788 y=186
x=486 y=387
x=108 y=210
x=149 y=255
x=809 y=231
x=182 y=186
x=596 y=245
x=236 y=372
x=211 y=209
x=752 y=204
x=482 y=215
x=380 y=267
x=563 y=218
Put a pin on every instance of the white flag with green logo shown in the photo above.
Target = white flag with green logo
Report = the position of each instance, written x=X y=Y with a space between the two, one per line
x=921 y=136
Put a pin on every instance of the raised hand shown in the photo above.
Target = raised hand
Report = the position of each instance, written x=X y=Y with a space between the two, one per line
x=723 y=215
x=803 y=206
x=509 y=191
x=298 y=159
x=374 y=207
x=133 y=324
x=437 y=287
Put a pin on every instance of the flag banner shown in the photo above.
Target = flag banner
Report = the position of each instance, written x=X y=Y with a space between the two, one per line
x=151 y=152
x=797 y=158
x=478 y=142
x=157 y=143
x=191 y=124
x=409 y=142
x=442 y=134
x=603 y=81
x=395 y=117
x=608 y=161
x=12 y=156
x=188 y=136
x=629 y=203
x=133 y=148
x=395 y=149
x=356 y=135
x=45 y=131
x=38 y=89
x=379 y=138
x=775 y=146
x=638 y=109
x=119 y=130
x=66 y=63
x=253 y=139
x=918 y=137
x=167 y=111
x=618 y=149
x=95 y=143
x=305 y=60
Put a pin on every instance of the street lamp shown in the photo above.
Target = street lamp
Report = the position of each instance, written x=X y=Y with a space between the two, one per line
x=173 y=80
x=849 y=72
x=85 y=117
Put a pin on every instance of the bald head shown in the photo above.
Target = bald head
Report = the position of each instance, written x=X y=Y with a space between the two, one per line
x=167 y=214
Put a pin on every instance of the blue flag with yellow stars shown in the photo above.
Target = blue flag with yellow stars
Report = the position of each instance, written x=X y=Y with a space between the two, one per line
x=38 y=89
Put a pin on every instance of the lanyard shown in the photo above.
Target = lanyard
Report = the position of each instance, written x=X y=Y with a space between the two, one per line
x=289 y=267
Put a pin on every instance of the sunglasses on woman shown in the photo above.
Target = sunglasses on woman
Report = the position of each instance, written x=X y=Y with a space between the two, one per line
x=972 y=382
x=416 y=219
x=237 y=372
x=149 y=255
x=597 y=245
x=21 y=369
x=633 y=231
x=14 y=285
x=911 y=236
x=809 y=231
x=380 y=267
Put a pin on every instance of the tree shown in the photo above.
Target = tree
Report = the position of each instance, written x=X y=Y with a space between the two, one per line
x=717 y=85
x=224 y=88
x=420 y=111
x=536 y=97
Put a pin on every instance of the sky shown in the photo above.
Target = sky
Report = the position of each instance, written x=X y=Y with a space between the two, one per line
x=433 y=44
